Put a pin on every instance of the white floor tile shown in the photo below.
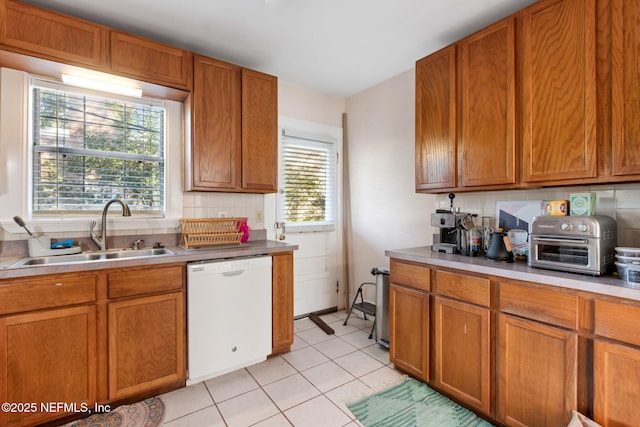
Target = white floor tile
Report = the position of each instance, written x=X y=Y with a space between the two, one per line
x=356 y=319
x=341 y=329
x=278 y=420
x=358 y=339
x=378 y=352
x=318 y=412
x=303 y=324
x=230 y=385
x=298 y=343
x=314 y=336
x=247 y=409
x=207 y=417
x=331 y=317
x=382 y=378
x=358 y=363
x=327 y=376
x=305 y=358
x=335 y=347
x=291 y=391
x=271 y=370
x=349 y=393
x=184 y=401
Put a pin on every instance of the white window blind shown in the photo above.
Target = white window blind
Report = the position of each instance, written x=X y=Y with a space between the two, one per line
x=308 y=180
x=88 y=149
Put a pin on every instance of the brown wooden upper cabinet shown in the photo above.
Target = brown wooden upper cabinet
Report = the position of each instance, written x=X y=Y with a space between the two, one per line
x=50 y=35
x=559 y=90
x=466 y=113
x=488 y=90
x=234 y=146
x=436 y=130
x=148 y=60
x=625 y=45
x=548 y=96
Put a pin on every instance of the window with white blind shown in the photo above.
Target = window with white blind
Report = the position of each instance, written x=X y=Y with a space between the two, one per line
x=90 y=148
x=308 y=181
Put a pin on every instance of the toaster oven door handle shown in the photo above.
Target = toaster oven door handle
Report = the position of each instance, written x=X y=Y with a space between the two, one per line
x=552 y=240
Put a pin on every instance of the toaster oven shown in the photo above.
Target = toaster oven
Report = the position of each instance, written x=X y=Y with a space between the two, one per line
x=579 y=244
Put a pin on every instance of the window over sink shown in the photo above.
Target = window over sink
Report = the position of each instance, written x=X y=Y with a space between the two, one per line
x=17 y=156
x=89 y=148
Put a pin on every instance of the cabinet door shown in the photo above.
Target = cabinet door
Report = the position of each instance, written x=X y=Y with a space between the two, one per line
x=146 y=344
x=51 y=35
x=462 y=352
x=259 y=132
x=409 y=330
x=282 y=303
x=215 y=147
x=616 y=376
x=150 y=61
x=436 y=157
x=559 y=87
x=49 y=356
x=488 y=106
x=625 y=87
x=537 y=371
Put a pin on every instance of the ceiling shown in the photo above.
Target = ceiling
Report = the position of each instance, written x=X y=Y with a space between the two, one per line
x=338 y=47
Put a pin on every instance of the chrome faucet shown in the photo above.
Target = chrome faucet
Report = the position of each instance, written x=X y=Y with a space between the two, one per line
x=101 y=241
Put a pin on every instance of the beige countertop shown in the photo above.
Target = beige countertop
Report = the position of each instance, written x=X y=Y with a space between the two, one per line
x=257 y=247
x=605 y=285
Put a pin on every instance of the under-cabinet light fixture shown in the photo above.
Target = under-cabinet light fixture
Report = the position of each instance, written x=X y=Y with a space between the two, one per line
x=101 y=85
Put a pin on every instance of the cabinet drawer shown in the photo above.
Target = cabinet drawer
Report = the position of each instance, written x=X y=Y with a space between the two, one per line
x=617 y=321
x=471 y=289
x=547 y=306
x=46 y=292
x=124 y=283
x=413 y=275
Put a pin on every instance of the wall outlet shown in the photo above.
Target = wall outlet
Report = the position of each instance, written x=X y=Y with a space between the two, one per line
x=259 y=216
x=223 y=214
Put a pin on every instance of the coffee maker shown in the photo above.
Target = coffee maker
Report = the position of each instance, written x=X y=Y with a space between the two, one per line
x=448 y=239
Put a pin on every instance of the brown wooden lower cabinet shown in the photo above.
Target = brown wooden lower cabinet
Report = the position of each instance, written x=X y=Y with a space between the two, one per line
x=146 y=344
x=282 y=303
x=537 y=369
x=409 y=330
x=520 y=353
x=462 y=344
x=616 y=381
x=47 y=357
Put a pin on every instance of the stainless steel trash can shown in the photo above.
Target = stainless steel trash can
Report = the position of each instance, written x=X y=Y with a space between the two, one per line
x=382 y=305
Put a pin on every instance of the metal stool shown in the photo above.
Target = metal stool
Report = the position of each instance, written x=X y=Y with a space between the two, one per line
x=364 y=307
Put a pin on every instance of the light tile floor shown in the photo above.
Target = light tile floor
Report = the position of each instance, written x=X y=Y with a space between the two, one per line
x=306 y=387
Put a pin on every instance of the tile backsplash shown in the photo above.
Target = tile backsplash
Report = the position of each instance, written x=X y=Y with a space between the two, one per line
x=620 y=201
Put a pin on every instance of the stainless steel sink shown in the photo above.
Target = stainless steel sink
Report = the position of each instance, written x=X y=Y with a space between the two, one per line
x=95 y=256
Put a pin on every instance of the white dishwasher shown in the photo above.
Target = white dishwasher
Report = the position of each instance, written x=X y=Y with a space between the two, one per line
x=229 y=315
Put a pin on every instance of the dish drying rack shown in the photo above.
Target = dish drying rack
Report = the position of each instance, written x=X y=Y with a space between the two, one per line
x=203 y=232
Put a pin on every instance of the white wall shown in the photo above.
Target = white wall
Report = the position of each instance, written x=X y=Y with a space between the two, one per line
x=298 y=102
x=386 y=212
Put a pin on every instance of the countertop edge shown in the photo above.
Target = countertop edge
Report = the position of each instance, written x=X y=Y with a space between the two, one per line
x=606 y=285
x=251 y=248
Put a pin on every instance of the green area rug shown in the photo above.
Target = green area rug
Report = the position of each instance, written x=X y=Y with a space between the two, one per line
x=412 y=403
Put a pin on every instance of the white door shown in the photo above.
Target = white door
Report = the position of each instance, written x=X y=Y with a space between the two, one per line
x=318 y=283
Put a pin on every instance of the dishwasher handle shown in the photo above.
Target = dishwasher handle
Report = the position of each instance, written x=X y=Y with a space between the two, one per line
x=234 y=273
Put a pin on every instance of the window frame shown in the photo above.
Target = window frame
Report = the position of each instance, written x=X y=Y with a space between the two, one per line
x=44 y=83
x=15 y=149
x=312 y=140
